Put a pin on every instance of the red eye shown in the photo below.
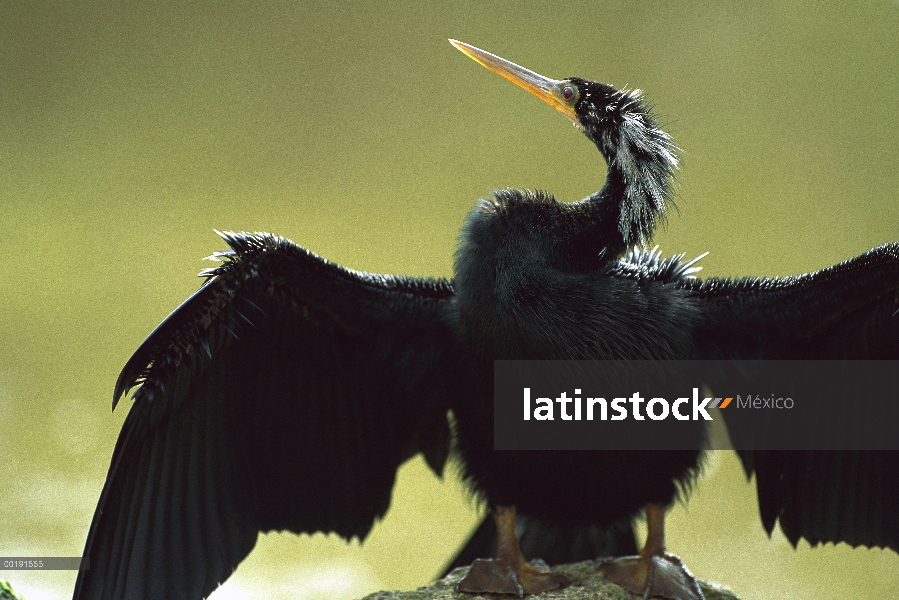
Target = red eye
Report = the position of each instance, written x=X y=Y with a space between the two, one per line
x=567 y=92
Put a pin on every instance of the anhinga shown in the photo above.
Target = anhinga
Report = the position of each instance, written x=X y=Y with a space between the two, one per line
x=284 y=394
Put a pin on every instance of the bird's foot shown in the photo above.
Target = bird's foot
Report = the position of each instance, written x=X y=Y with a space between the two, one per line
x=662 y=575
x=503 y=576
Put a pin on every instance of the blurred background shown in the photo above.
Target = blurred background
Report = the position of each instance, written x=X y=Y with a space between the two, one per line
x=129 y=131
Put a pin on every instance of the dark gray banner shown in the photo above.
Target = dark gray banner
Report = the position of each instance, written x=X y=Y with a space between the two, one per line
x=44 y=563
x=670 y=405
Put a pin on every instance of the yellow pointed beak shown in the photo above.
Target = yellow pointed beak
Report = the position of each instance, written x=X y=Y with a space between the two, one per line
x=559 y=94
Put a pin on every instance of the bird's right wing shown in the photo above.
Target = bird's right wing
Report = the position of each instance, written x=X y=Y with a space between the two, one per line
x=282 y=395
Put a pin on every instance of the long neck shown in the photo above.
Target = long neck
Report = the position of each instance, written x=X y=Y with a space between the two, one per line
x=641 y=162
x=599 y=217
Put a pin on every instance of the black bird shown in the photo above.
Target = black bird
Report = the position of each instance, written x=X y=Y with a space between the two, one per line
x=284 y=394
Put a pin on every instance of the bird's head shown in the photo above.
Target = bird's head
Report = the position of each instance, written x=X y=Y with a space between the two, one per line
x=641 y=157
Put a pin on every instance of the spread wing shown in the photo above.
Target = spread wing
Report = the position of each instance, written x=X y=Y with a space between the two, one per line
x=848 y=311
x=282 y=395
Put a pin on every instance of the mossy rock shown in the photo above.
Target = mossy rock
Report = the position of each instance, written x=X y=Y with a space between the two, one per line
x=587 y=583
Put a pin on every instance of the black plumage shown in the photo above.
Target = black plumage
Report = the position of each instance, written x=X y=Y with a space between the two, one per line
x=284 y=394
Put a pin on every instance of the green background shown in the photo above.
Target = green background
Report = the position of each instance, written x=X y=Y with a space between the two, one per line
x=127 y=133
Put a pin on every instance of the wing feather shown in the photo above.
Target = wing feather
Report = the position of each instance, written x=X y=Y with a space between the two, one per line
x=843 y=311
x=848 y=311
x=282 y=395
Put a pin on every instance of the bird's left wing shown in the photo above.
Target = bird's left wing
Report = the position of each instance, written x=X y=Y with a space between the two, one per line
x=282 y=395
x=844 y=311
x=847 y=311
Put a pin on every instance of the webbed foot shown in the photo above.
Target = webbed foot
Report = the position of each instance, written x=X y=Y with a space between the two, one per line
x=661 y=575
x=501 y=576
x=655 y=572
x=509 y=572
